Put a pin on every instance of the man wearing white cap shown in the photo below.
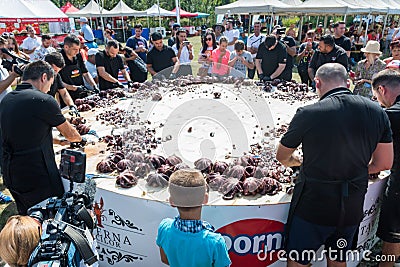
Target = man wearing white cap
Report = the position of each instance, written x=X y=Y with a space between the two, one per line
x=86 y=31
x=91 y=65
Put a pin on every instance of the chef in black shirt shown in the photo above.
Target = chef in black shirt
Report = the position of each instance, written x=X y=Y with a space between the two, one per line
x=327 y=52
x=344 y=137
x=161 y=57
x=386 y=88
x=271 y=59
x=108 y=64
x=27 y=116
x=58 y=89
x=74 y=70
x=339 y=28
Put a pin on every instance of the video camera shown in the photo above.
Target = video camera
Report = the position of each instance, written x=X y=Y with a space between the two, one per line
x=66 y=238
x=16 y=60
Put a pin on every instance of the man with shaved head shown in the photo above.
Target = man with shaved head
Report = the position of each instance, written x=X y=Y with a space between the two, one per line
x=344 y=138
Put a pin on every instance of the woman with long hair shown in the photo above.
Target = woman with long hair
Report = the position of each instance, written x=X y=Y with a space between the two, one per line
x=108 y=34
x=220 y=58
x=209 y=43
x=13 y=46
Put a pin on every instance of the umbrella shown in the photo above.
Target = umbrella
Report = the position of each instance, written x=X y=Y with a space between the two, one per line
x=202 y=15
x=185 y=14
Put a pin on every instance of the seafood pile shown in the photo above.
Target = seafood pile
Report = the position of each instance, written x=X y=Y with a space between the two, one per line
x=288 y=91
x=132 y=156
x=103 y=99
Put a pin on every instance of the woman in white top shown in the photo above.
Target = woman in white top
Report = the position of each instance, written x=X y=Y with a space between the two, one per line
x=184 y=52
x=209 y=43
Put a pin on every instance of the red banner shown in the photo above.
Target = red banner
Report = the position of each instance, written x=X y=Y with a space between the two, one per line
x=32 y=20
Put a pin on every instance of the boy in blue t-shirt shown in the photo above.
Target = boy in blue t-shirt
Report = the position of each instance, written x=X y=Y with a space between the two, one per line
x=187 y=240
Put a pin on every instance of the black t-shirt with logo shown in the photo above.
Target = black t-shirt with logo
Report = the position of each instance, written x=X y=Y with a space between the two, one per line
x=337 y=55
x=112 y=66
x=73 y=72
x=344 y=42
x=338 y=134
x=57 y=85
x=307 y=57
x=161 y=60
x=271 y=58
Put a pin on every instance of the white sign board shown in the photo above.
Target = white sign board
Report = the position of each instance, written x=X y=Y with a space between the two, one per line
x=128 y=225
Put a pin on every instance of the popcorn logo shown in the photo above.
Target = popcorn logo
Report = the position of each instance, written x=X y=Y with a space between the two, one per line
x=253 y=242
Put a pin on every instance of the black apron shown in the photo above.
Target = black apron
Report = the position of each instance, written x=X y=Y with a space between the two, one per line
x=344 y=193
x=28 y=199
x=299 y=187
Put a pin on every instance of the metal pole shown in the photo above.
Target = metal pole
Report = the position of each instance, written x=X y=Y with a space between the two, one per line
x=101 y=7
x=366 y=30
x=123 y=28
x=159 y=13
x=383 y=31
x=250 y=22
x=271 y=22
x=178 y=11
x=301 y=28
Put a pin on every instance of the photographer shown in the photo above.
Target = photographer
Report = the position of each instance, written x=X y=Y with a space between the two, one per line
x=27 y=116
x=290 y=46
x=6 y=78
x=271 y=59
x=18 y=239
x=306 y=51
x=75 y=70
x=184 y=52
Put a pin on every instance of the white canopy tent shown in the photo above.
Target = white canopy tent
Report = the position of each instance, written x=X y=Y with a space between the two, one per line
x=31 y=9
x=325 y=7
x=18 y=10
x=121 y=10
x=251 y=7
x=157 y=11
x=394 y=7
x=43 y=8
x=292 y=3
x=376 y=6
x=34 y=11
x=92 y=9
